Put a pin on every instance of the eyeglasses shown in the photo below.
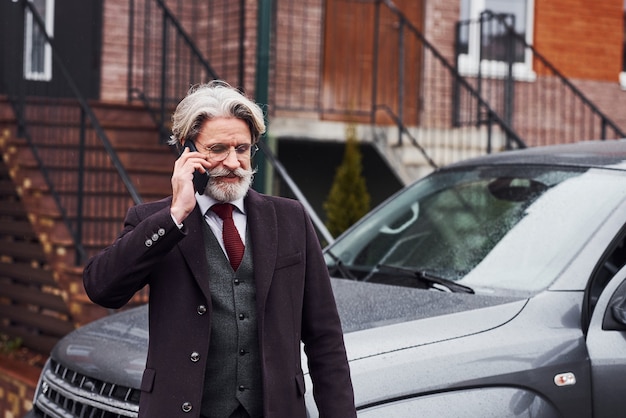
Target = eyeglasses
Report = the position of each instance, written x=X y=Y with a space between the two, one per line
x=219 y=152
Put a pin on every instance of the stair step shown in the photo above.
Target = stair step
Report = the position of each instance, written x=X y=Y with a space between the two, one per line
x=29 y=251
x=111 y=115
x=12 y=208
x=53 y=326
x=27 y=295
x=17 y=228
x=7 y=188
x=154 y=162
x=27 y=274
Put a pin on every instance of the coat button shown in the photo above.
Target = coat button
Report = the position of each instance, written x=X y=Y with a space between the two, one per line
x=195 y=356
x=161 y=232
x=155 y=237
x=186 y=407
x=201 y=309
x=148 y=242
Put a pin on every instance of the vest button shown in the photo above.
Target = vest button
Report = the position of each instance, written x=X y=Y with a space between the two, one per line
x=195 y=356
x=242 y=316
x=186 y=407
x=241 y=388
x=201 y=309
x=242 y=352
x=237 y=282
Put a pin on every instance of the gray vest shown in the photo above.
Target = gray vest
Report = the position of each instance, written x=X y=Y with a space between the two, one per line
x=233 y=371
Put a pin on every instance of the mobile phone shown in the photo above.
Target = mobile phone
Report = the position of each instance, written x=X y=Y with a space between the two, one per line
x=200 y=180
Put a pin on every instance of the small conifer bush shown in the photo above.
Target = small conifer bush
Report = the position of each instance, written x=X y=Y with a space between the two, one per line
x=348 y=199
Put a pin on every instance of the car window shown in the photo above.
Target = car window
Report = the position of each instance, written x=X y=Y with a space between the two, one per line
x=491 y=228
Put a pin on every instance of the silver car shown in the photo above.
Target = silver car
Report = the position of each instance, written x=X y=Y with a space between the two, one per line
x=494 y=287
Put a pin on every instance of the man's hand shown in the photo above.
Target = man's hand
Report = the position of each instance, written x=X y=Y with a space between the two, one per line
x=183 y=193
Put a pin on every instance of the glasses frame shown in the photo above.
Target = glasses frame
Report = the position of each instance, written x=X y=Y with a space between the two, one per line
x=207 y=150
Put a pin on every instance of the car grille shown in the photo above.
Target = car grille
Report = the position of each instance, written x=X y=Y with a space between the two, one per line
x=64 y=393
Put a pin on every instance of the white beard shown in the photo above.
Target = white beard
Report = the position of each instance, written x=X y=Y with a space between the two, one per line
x=228 y=192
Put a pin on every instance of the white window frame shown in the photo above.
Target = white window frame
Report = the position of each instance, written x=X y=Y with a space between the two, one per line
x=468 y=63
x=30 y=73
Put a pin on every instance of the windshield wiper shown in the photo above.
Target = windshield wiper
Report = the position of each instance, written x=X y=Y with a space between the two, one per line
x=345 y=272
x=427 y=278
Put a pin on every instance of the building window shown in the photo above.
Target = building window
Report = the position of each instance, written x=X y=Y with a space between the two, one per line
x=37 y=52
x=493 y=56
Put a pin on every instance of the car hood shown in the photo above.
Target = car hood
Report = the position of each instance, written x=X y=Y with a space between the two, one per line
x=369 y=305
x=113 y=349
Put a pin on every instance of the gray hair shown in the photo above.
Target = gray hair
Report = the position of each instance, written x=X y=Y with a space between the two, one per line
x=215 y=99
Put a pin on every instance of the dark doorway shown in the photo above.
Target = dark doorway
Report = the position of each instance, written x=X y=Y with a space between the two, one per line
x=76 y=27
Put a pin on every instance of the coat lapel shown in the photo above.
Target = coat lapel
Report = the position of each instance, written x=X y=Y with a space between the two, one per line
x=263 y=227
x=192 y=247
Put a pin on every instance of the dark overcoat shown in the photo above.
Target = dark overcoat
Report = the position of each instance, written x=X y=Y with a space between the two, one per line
x=295 y=304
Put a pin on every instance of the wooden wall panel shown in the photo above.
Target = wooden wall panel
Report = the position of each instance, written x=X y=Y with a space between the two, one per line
x=354 y=52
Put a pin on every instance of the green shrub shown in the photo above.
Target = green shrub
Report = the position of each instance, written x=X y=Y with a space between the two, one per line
x=348 y=199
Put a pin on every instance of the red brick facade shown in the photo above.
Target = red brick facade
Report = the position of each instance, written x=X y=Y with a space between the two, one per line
x=582 y=39
x=115 y=42
x=114 y=51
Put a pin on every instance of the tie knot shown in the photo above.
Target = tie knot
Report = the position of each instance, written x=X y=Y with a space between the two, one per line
x=223 y=210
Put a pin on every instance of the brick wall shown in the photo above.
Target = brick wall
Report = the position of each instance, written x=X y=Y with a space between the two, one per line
x=114 y=50
x=440 y=19
x=220 y=46
x=583 y=39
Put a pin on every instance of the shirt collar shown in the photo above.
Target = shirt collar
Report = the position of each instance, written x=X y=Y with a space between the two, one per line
x=205 y=202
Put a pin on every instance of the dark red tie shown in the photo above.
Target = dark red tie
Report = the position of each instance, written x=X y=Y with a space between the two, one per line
x=232 y=240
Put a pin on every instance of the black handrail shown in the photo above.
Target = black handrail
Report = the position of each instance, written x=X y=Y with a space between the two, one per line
x=164 y=98
x=515 y=40
x=23 y=132
x=85 y=114
x=459 y=81
x=606 y=121
x=85 y=107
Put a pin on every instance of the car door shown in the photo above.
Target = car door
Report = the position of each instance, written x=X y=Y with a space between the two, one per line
x=606 y=342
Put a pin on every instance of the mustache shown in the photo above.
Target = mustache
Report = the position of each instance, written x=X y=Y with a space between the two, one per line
x=223 y=172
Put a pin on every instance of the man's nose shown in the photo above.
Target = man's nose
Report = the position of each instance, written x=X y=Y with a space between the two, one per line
x=231 y=159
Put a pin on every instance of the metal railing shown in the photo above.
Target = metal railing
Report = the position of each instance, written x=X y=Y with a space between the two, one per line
x=533 y=97
x=164 y=60
x=408 y=87
x=73 y=153
x=442 y=84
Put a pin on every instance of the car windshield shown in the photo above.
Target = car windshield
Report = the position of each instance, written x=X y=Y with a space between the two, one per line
x=492 y=229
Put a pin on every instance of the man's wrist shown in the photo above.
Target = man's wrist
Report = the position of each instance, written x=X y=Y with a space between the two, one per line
x=178 y=224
